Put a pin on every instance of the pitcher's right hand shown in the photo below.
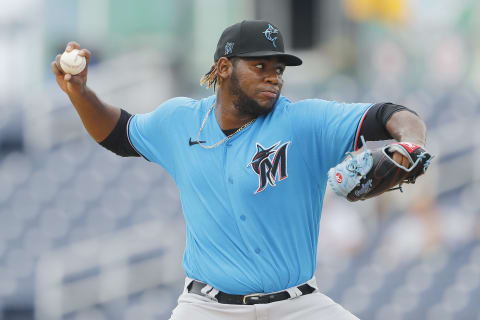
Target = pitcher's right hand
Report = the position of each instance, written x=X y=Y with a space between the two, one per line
x=71 y=85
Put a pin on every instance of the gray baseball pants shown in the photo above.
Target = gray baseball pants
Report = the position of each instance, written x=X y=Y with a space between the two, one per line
x=314 y=306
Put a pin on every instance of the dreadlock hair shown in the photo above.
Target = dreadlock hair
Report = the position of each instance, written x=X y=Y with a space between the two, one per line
x=211 y=77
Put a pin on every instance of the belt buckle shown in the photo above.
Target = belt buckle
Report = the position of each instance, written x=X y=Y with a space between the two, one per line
x=258 y=295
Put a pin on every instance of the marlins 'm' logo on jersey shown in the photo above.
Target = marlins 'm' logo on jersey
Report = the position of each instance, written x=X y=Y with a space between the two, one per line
x=267 y=168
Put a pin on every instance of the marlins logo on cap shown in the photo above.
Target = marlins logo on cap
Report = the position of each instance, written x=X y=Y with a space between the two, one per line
x=269 y=32
x=229 y=47
x=248 y=39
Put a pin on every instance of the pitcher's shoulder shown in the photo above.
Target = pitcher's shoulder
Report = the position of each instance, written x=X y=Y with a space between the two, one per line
x=183 y=105
x=310 y=102
x=179 y=102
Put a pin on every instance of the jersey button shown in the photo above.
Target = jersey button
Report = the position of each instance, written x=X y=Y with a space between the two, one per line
x=257 y=251
x=243 y=218
x=230 y=180
x=228 y=144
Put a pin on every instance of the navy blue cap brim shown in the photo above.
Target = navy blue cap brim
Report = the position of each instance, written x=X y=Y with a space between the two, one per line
x=288 y=59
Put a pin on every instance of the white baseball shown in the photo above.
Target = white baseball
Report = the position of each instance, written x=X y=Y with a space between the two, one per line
x=72 y=63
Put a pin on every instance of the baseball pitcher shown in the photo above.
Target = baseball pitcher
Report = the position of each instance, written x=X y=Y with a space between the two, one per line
x=252 y=167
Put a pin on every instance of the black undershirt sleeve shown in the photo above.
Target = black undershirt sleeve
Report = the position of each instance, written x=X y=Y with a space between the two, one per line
x=373 y=127
x=117 y=141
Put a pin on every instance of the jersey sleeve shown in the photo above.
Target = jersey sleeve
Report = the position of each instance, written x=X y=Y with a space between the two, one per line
x=151 y=133
x=327 y=129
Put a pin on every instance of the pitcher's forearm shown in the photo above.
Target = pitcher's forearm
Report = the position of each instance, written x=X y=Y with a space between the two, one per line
x=98 y=117
x=406 y=126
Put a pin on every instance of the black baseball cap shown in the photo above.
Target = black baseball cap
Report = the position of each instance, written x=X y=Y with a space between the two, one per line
x=253 y=38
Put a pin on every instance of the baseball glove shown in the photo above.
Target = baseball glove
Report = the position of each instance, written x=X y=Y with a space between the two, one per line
x=372 y=172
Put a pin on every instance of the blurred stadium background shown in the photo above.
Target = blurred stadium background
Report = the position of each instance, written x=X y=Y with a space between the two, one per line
x=88 y=235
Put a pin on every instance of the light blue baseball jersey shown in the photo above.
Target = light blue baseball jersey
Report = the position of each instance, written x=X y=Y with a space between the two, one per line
x=252 y=205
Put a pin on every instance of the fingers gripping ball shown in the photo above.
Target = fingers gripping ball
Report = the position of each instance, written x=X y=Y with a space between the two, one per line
x=373 y=172
x=72 y=63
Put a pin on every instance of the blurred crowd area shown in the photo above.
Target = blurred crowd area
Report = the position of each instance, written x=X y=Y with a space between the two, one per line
x=88 y=235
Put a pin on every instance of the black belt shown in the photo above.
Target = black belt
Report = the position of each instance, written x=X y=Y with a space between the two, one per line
x=256 y=298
